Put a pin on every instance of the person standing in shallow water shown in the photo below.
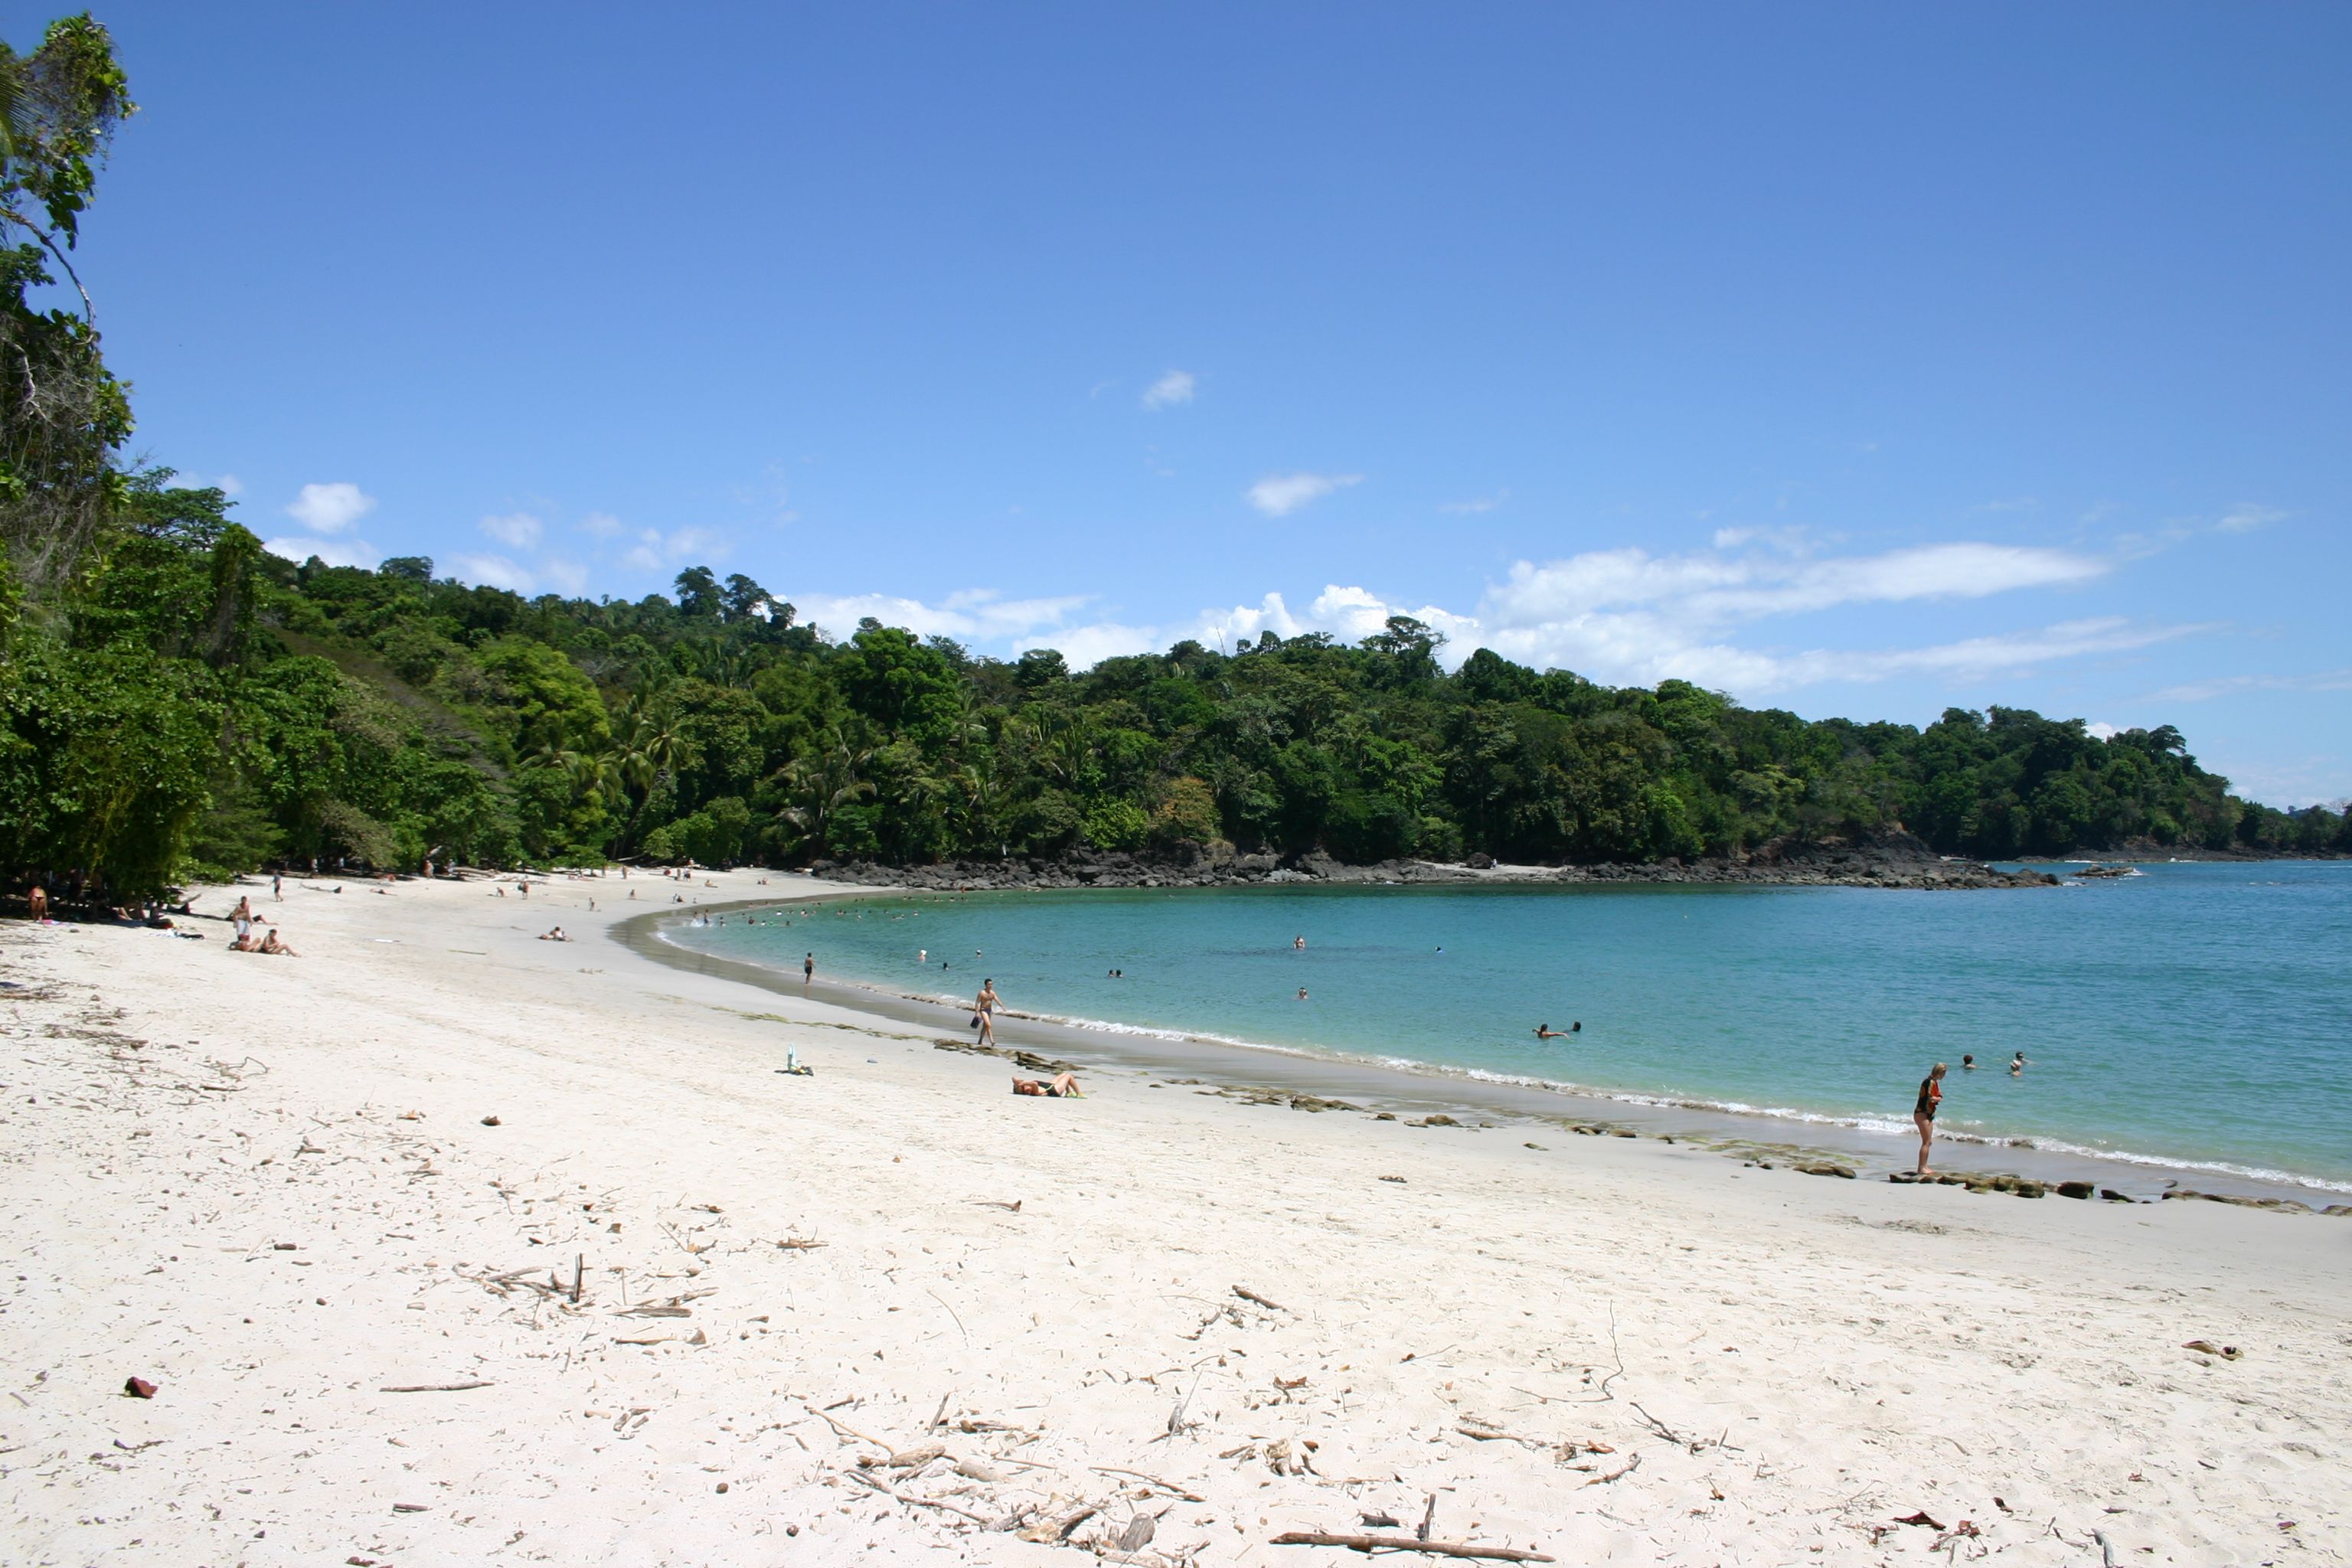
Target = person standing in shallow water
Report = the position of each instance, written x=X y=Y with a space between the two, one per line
x=1923 y=1114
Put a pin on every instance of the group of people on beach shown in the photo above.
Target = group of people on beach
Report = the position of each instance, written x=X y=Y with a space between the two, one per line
x=242 y=918
x=1931 y=1100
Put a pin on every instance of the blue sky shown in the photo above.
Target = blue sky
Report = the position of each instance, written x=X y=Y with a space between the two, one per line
x=1860 y=360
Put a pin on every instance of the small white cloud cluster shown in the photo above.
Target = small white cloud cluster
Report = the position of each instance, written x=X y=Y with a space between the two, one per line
x=1176 y=386
x=324 y=509
x=1279 y=495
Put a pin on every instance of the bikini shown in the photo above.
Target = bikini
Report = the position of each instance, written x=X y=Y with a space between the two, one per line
x=1931 y=1094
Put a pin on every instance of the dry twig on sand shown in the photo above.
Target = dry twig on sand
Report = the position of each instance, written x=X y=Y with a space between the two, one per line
x=895 y=1496
x=1630 y=1465
x=1408 y=1543
x=1169 y=1487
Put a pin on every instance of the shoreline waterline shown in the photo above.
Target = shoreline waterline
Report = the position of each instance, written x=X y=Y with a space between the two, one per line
x=1403 y=1084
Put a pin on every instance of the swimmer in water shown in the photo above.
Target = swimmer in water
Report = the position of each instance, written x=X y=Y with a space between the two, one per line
x=1546 y=1032
x=2016 y=1065
x=1967 y=1064
x=1302 y=994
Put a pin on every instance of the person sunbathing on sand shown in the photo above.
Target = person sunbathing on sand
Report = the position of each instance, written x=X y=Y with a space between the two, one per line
x=272 y=945
x=1064 y=1086
x=555 y=935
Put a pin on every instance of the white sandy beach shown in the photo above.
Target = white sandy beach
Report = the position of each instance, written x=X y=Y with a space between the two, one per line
x=266 y=1185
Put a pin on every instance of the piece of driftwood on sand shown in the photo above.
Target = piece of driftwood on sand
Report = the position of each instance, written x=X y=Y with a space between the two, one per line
x=1409 y=1543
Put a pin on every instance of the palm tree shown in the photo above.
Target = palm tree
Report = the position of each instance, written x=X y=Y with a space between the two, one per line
x=825 y=780
x=646 y=745
x=983 y=803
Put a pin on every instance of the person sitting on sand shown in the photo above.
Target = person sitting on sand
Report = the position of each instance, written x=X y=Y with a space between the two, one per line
x=1923 y=1114
x=555 y=935
x=272 y=945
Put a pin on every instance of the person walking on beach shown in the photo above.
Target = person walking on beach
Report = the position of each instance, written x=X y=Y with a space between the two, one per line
x=1923 y=1114
x=808 y=968
x=984 y=1005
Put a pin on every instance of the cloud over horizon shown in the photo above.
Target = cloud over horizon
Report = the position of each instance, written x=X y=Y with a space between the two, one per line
x=1623 y=616
x=329 y=507
x=1279 y=495
x=1175 y=388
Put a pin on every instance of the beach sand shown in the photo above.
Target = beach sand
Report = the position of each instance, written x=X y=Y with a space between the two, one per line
x=266 y=1186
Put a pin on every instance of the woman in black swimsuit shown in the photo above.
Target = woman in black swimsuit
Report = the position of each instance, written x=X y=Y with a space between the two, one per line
x=1923 y=1114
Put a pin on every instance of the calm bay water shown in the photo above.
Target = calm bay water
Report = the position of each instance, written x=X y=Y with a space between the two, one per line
x=2195 y=1013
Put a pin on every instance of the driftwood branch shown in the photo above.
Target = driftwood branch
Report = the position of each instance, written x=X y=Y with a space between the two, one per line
x=1630 y=1465
x=1254 y=1297
x=897 y=1496
x=432 y=1387
x=1408 y=1543
x=1155 y=1480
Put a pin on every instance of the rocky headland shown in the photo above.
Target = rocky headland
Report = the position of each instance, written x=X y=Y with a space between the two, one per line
x=1894 y=859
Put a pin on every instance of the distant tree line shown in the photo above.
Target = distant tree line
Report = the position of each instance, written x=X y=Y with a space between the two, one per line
x=174 y=702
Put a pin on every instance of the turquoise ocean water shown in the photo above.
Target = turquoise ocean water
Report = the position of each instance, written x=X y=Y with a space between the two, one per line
x=2193 y=1014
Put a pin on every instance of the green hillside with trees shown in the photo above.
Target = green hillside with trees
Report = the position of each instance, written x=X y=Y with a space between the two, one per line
x=174 y=702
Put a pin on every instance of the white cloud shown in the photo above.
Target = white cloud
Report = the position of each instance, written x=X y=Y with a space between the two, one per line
x=602 y=524
x=2246 y=517
x=1083 y=648
x=515 y=530
x=229 y=485
x=2228 y=685
x=2102 y=730
x=331 y=508
x=1279 y=495
x=491 y=572
x=568 y=575
x=1622 y=617
x=333 y=552
x=658 y=551
x=1176 y=386
x=980 y=614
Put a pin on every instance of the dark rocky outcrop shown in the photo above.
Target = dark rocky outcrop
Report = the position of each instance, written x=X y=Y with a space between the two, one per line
x=1891 y=860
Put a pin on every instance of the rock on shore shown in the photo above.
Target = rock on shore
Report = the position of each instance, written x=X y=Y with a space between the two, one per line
x=1895 y=859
